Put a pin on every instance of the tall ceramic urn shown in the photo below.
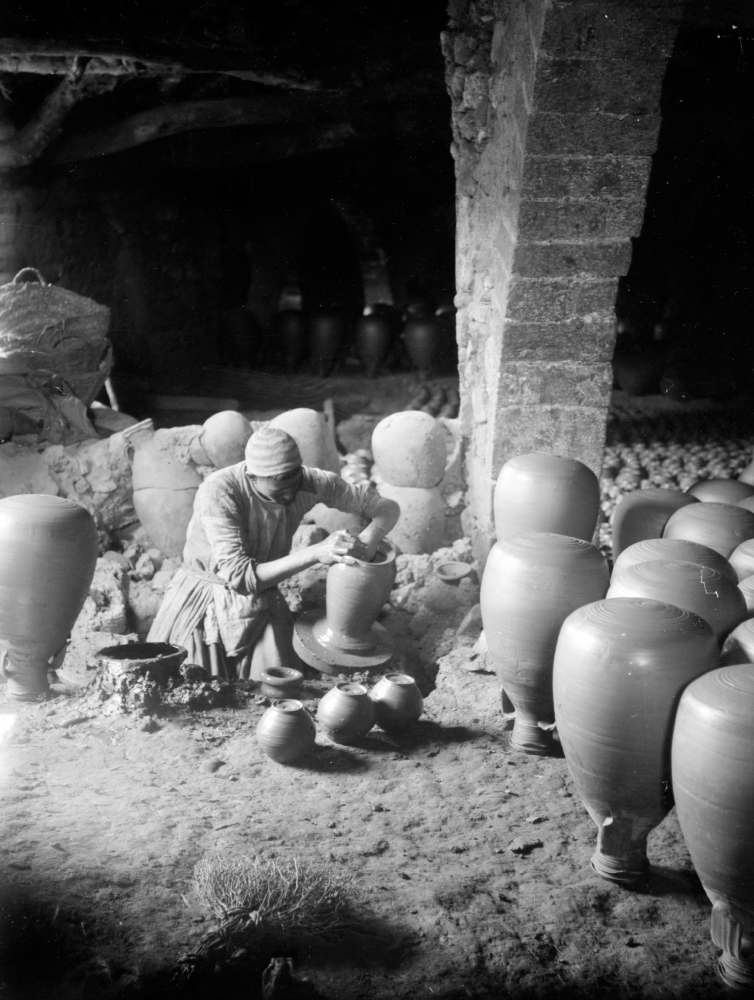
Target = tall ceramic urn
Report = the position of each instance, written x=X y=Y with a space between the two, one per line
x=347 y=637
x=620 y=667
x=713 y=784
x=48 y=553
x=531 y=583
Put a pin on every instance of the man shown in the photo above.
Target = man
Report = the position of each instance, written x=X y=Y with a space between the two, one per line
x=224 y=605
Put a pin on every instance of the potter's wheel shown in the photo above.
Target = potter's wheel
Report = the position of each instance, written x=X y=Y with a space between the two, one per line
x=330 y=659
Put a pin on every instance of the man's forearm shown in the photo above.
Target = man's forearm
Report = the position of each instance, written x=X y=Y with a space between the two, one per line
x=270 y=574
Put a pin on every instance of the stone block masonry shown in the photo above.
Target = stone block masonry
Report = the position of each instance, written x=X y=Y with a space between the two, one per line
x=555 y=109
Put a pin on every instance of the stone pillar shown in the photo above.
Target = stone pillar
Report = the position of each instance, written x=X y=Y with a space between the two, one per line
x=555 y=118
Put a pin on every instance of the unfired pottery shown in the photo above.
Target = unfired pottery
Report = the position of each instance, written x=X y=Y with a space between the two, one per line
x=374 y=336
x=720 y=490
x=422 y=339
x=746 y=586
x=311 y=432
x=550 y=493
x=739 y=646
x=222 y=440
x=48 y=553
x=164 y=487
x=620 y=667
x=286 y=731
x=326 y=333
x=707 y=593
x=713 y=785
x=643 y=514
x=346 y=712
x=281 y=682
x=675 y=549
x=397 y=701
x=409 y=449
x=531 y=583
x=721 y=526
x=421 y=526
x=742 y=559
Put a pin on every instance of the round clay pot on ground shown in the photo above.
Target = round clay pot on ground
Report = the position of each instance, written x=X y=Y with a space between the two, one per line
x=346 y=712
x=281 y=682
x=286 y=731
x=48 y=554
x=222 y=440
x=531 y=583
x=620 y=667
x=742 y=559
x=643 y=514
x=720 y=490
x=311 y=432
x=707 y=593
x=672 y=549
x=291 y=327
x=421 y=526
x=713 y=786
x=746 y=586
x=721 y=526
x=409 y=449
x=326 y=334
x=374 y=338
x=422 y=338
x=539 y=492
x=397 y=701
x=164 y=487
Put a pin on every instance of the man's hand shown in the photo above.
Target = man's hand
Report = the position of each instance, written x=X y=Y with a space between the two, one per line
x=340 y=546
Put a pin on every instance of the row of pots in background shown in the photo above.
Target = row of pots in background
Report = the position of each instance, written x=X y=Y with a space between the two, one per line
x=347 y=712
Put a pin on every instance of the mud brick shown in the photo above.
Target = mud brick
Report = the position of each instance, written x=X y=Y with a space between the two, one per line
x=541 y=220
x=592 y=133
x=588 y=339
x=552 y=260
x=534 y=300
x=611 y=86
x=586 y=176
x=550 y=383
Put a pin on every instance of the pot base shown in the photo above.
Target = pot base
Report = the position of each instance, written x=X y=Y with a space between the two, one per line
x=329 y=660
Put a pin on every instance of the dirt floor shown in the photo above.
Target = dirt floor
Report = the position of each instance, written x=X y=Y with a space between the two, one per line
x=474 y=859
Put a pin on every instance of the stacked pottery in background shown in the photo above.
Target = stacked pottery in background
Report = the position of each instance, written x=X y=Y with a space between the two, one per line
x=313 y=435
x=644 y=513
x=222 y=440
x=409 y=452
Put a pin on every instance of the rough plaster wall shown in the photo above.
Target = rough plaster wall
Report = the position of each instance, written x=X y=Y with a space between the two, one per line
x=555 y=118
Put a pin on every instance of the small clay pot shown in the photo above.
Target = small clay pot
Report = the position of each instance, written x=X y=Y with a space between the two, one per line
x=397 y=701
x=159 y=661
x=675 y=550
x=746 y=586
x=546 y=493
x=346 y=712
x=286 y=731
x=720 y=490
x=452 y=572
x=281 y=682
x=742 y=559
x=409 y=449
x=721 y=526
x=697 y=588
x=643 y=514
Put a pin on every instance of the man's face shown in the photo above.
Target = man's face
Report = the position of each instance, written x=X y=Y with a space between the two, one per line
x=278 y=489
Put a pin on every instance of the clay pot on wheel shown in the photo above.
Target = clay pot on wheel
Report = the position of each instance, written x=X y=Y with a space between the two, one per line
x=620 y=667
x=531 y=583
x=422 y=339
x=326 y=335
x=374 y=338
x=291 y=329
x=643 y=514
x=721 y=526
x=675 y=550
x=397 y=701
x=539 y=492
x=707 y=593
x=346 y=712
x=286 y=731
x=713 y=785
x=48 y=553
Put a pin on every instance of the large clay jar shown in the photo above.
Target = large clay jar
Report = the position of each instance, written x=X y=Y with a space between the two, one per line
x=397 y=701
x=421 y=526
x=707 y=593
x=739 y=646
x=713 y=785
x=164 y=487
x=409 y=449
x=48 y=552
x=326 y=335
x=620 y=667
x=531 y=583
x=286 y=731
x=374 y=337
x=422 y=338
x=720 y=490
x=538 y=492
x=721 y=526
x=347 y=636
x=672 y=549
x=742 y=559
x=643 y=514
x=746 y=586
x=291 y=328
x=311 y=432
x=346 y=712
x=222 y=440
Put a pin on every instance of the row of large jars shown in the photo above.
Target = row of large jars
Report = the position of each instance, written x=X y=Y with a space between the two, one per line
x=646 y=674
